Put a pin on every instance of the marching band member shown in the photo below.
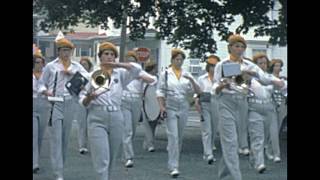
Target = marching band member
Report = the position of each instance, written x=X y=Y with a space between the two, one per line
x=81 y=114
x=131 y=108
x=55 y=76
x=148 y=124
x=41 y=109
x=279 y=95
x=105 y=119
x=206 y=105
x=261 y=117
x=173 y=89
x=230 y=104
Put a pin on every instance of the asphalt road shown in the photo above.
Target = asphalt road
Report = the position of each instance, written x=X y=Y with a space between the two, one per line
x=153 y=165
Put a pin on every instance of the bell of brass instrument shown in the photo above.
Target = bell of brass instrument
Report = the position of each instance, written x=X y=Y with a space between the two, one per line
x=238 y=85
x=99 y=80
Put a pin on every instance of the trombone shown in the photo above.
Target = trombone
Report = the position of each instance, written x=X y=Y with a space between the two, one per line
x=100 y=82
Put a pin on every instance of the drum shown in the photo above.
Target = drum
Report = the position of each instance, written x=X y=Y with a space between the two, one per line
x=151 y=107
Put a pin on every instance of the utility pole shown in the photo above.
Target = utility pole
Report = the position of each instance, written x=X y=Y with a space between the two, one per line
x=123 y=32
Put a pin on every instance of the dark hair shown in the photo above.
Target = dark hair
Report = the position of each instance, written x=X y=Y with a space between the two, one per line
x=273 y=62
x=150 y=68
x=214 y=56
x=175 y=55
x=259 y=56
x=37 y=57
x=87 y=59
x=101 y=52
x=209 y=65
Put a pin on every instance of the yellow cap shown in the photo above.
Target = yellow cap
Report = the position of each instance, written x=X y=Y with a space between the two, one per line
x=110 y=46
x=176 y=51
x=64 y=43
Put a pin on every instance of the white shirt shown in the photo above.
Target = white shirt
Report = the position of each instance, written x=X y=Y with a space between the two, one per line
x=179 y=88
x=48 y=77
x=261 y=91
x=244 y=65
x=119 y=79
x=206 y=85
x=265 y=91
x=35 y=86
x=136 y=85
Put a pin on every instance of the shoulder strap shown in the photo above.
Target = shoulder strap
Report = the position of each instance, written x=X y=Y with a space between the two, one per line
x=166 y=83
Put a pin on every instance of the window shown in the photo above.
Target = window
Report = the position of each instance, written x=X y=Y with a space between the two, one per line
x=255 y=51
x=84 y=52
x=194 y=61
x=195 y=69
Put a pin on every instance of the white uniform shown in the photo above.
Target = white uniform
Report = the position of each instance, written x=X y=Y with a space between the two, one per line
x=261 y=118
x=281 y=105
x=106 y=122
x=149 y=128
x=272 y=134
x=131 y=108
x=81 y=117
x=40 y=113
x=177 y=108
x=63 y=112
x=209 y=112
x=230 y=103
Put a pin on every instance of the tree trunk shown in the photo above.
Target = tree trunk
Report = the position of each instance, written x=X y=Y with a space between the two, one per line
x=123 y=35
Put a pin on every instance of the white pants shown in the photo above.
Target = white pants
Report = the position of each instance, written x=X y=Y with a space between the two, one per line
x=131 y=110
x=228 y=121
x=282 y=112
x=272 y=133
x=41 y=113
x=259 y=115
x=149 y=129
x=81 y=117
x=105 y=137
x=177 y=115
x=209 y=125
x=62 y=116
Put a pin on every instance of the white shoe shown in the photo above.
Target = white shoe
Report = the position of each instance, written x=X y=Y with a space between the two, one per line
x=151 y=149
x=211 y=159
x=276 y=159
x=36 y=170
x=269 y=156
x=240 y=151
x=214 y=148
x=83 y=150
x=245 y=151
x=261 y=168
x=59 y=178
x=174 y=173
x=129 y=163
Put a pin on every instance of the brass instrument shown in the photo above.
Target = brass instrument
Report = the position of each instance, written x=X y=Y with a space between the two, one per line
x=100 y=82
x=238 y=80
x=239 y=85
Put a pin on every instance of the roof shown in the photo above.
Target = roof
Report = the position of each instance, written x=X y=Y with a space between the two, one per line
x=84 y=35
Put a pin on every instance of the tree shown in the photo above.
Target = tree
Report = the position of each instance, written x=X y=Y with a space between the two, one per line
x=187 y=23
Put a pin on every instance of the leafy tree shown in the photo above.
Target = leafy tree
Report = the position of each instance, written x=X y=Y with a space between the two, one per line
x=187 y=23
